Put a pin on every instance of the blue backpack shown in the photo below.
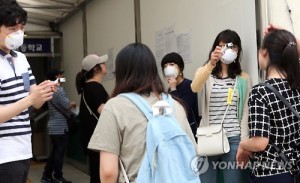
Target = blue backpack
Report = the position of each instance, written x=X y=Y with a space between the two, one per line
x=169 y=151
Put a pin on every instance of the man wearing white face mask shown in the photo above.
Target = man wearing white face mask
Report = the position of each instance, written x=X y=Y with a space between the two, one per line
x=222 y=84
x=173 y=65
x=18 y=92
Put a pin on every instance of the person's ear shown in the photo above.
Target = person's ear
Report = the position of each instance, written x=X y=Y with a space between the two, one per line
x=96 y=70
x=264 y=52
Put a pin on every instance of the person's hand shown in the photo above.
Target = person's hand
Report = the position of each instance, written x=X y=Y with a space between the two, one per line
x=172 y=83
x=42 y=93
x=270 y=28
x=72 y=105
x=242 y=156
x=216 y=55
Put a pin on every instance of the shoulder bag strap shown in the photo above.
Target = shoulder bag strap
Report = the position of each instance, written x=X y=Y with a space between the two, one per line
x=282 y=99
x=59 y=110
x=87 y=106
x=230 y=100
x=123 y=170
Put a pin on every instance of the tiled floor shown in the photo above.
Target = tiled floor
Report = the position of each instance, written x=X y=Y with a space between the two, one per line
x=70 y=173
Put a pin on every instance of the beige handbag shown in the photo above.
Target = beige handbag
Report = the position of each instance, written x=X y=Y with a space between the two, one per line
x=212 y=139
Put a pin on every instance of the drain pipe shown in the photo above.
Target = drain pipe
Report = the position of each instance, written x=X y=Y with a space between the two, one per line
x=264 y=15
x=84 y=31
x=137 y=20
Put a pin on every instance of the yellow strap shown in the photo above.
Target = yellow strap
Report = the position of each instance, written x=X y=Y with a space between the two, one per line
x=229 y=96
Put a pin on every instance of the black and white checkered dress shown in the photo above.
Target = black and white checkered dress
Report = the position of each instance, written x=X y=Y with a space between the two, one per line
x=270 y=118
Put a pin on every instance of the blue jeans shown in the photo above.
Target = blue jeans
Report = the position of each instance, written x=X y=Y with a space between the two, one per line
x=225 y=163
x=56 y=158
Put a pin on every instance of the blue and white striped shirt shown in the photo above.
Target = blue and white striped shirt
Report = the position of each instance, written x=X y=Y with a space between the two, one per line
x=57 y=123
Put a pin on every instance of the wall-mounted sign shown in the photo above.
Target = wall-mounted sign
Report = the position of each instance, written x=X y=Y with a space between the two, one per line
x=36 y=45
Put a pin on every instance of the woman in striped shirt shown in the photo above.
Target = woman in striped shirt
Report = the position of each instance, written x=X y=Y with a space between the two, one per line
x=58 y=130
x=216 y=79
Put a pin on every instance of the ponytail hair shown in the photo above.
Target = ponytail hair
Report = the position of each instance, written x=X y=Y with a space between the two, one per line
x=83 y=76
x=80 y=81
x=283 y=55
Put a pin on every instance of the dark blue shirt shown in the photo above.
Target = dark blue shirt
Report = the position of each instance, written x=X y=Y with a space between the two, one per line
x=190 y=99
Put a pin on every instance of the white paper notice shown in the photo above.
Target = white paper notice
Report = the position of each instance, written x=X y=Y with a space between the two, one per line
x=170 y=40
x=166 y=41
x=110 y=65
x=159 y=46
x=183 y=44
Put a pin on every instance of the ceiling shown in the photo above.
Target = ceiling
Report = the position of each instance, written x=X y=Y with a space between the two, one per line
x=51 y=12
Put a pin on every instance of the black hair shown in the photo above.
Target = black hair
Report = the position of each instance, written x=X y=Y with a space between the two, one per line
x=11 y=13
x=51 y=75
x=136 y=71
x=227 y=36
x=283 y=55
x=173 y=58
x=83 y=76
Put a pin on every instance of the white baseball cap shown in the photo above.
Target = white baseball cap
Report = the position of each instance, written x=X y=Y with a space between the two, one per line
x=91 y=60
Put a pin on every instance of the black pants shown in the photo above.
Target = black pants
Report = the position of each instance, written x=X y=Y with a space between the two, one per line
x=14 y=172
x=56 y=158
x=94 y=161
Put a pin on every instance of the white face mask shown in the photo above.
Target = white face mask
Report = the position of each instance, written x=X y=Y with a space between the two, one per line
x=229 y=56
x=14 y=40
x=171 y=71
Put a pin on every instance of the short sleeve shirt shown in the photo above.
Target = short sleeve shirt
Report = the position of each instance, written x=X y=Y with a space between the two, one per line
x=121 y=130
x=15 y=80
x=270 y=118
x=95 y=95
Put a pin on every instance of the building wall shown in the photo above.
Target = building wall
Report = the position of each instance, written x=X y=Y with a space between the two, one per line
x=286 y=14
x=110 y=26
x=203 y=20
x=72 y=53
x=34 y=27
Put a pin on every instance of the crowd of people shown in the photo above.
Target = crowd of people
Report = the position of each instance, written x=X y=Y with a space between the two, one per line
x=260 y=127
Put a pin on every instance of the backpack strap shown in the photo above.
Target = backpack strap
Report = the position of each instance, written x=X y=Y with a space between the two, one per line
x=166 y=103
x=167 y=97
x=140 y=102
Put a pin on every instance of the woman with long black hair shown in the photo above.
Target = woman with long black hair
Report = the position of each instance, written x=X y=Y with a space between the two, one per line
x=272 y=125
